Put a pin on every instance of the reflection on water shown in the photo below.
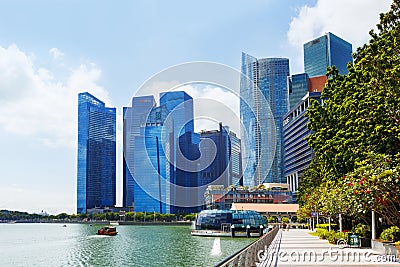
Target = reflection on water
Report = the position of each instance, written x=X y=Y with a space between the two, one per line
x=216 y=249
x=78 y=245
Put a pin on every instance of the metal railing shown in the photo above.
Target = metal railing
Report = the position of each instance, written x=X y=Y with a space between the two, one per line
x=249 y=255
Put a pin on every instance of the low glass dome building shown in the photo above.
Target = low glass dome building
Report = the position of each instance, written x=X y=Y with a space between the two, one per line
x=222 y=219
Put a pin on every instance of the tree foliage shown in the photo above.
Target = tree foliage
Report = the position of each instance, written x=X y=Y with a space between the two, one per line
x=358 y=127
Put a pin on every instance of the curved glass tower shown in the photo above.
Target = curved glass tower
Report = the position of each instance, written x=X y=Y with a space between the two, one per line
x=264 y=153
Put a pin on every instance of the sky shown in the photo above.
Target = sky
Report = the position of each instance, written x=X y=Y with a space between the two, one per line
x=52 y=50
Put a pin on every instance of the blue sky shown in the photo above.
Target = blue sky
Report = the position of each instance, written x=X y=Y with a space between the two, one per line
x=51 y=50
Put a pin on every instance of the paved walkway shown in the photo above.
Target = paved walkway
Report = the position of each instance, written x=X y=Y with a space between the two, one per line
x=298 y=248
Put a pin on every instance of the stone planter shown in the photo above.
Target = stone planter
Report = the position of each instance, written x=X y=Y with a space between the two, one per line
x=386 y=248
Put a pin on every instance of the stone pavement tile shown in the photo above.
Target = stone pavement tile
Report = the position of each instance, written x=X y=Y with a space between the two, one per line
x=298 y=248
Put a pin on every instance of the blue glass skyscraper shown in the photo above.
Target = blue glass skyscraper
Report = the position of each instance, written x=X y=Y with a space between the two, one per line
x=226 y=166
x=183 y=146
x=96 y=172
x=151 y=172
x=133 y=121
x=324 y=51
x=264 y=155
x=155 y=140
x=298 y=87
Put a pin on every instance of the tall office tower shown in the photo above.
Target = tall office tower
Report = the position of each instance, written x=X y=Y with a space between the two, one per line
x=159 y=142
x=298 y=154
x=151 y=168
x=298 y=87
x=235 y=166
x=263 y=154
x=142 y=105
x=96 y=185
x=226 y=166
x=183 y=150
x=324 y=51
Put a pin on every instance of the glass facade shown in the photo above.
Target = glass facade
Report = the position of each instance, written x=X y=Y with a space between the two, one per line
x=298 y=88
x=324 y=51
x=227 y=164
x=96 y=177
x=188 y=143
x=150 y=181
x=235 y=167
x=215 y=219
x=264 y=154
x=219 y=165
x=132 y=124
x=159 y=142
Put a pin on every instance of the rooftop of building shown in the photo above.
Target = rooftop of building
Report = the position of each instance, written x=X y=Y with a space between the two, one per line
x=261 y=187
x=266 y=207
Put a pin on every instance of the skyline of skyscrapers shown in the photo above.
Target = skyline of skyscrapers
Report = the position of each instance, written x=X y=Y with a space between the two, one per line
x=264 y=78
x=161 y=153
x=96 y=163
x=160 y=144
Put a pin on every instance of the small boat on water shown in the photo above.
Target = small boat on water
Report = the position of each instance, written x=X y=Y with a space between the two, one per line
x=107 y=230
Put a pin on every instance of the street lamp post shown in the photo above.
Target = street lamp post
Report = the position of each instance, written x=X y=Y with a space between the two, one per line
x=373 y=228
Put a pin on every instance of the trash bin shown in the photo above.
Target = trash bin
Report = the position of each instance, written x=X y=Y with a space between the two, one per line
x=353 y=240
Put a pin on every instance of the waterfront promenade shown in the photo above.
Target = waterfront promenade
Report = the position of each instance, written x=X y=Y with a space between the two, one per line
x=297 y=247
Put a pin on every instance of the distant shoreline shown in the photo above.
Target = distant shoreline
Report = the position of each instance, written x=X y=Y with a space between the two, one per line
x=175 y=223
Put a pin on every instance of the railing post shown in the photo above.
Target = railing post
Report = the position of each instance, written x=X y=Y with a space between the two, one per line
x=248 y=256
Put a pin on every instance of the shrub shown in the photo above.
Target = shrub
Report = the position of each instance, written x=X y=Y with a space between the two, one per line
x=333 y=236
x=391 y=234
x=190 y=217
x=326 y=226
x=285 y=219
x=322 y=233
x=362 y=230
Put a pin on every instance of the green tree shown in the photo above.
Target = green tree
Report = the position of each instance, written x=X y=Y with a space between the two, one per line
x=285 y=219
x=374 y=184
x=190 y=217
x=356 y=128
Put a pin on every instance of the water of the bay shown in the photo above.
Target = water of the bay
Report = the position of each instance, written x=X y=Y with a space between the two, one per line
x=135 y=245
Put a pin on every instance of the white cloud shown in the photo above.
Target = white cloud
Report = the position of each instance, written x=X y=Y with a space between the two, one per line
x=16 y=74
x=56 y=53
x=212 y=105
x=349 y=19
x=34 y=103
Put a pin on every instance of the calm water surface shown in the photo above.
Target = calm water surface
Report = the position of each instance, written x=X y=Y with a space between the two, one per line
x=78 y=245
